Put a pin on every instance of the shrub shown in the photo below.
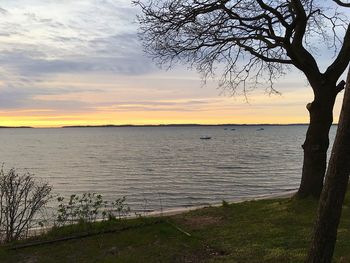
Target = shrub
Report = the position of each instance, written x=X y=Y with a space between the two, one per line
x=21 y=198
x=85 y=208
x=117 y=208
x=88 y=207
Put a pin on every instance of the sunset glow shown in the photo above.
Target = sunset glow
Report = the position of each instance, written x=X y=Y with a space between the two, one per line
x=62 y=66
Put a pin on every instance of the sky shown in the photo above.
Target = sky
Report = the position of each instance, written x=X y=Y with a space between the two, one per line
x=81 y=63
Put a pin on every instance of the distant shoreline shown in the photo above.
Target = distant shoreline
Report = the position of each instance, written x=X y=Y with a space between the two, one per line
x=158 y=125
x=183 y=125
x=16 y=127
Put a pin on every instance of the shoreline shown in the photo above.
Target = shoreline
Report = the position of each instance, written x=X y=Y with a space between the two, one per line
x=36 y=231
x=181 y=210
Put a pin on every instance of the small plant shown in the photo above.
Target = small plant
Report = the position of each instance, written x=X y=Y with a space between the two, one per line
x=116 y=209
x=88 y=208
x=21 y=198
x=225 y=203
x=85 y=208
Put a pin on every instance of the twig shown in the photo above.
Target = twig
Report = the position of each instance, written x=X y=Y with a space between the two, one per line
x=179 y=229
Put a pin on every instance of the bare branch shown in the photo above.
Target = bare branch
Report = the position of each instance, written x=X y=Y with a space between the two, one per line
x=339 y=65
x=340 y=86
x=341 y=3
x=251 y=42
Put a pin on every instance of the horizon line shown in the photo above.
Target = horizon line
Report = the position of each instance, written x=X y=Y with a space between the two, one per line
x=153 y=125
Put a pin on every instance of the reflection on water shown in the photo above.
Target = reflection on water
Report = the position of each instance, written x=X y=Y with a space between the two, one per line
x=160 y=166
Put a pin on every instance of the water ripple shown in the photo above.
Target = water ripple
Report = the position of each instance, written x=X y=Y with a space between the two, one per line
x=168 y=165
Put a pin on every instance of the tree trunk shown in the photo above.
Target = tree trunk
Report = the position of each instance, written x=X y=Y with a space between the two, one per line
x=333 y=194
x=316 y=143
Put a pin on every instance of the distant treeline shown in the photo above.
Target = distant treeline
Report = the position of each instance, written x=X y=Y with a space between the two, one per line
x=14 y=127
x=184 y=125
x=163 y=125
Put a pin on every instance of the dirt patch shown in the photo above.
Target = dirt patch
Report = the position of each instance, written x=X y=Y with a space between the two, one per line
x=200 y=256
x=199 y=222
x=30 y=260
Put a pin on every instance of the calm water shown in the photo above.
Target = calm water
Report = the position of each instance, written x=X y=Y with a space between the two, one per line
x=158 y=167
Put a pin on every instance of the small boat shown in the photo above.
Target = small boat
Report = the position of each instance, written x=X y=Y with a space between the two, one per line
x=233 y=129
x=260 y=129
x=205 y=138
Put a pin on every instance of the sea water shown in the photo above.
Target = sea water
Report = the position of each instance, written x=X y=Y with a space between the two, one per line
x=160 y=167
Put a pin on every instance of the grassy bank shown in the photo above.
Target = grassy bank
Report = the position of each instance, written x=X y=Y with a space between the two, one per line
x=275 y=230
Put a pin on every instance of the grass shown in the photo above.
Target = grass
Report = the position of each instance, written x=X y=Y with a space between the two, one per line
x=275 y=230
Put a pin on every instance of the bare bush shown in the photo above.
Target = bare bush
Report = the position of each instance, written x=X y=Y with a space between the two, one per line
x=21 y=198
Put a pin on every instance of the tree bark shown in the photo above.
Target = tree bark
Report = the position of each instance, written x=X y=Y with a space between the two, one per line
x=333 y=194
x=317 y=142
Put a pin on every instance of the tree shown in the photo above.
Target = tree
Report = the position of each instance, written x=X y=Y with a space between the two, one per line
x=256 y=41
x=333 y=194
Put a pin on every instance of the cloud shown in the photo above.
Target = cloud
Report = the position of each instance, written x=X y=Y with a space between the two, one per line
x=184 y=105
x=71 y=36
x=29 y=66
x=3 y=11
x=12 y=98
